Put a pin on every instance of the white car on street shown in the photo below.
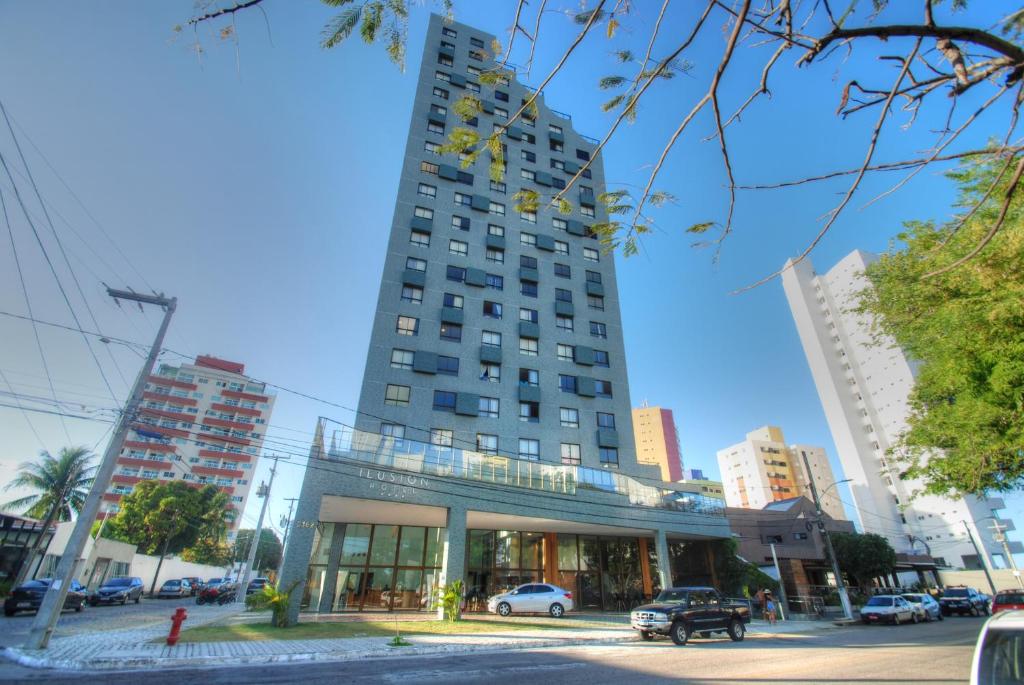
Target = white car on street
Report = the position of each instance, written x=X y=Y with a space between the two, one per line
x=999 y=653
x=927 y=607
x=888 y=609
x=532 y=598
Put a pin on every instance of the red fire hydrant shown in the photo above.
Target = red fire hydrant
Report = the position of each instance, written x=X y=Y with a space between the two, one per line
x=176 y=620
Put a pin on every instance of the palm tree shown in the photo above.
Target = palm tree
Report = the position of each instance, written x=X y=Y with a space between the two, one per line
x=60 y=486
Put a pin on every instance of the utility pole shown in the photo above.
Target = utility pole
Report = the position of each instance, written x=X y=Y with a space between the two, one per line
x=844 y=598
x=286 y=524
x=53 y=601
x=981 y=557
x=259 y=529
x=782 y=585
x=999 y=535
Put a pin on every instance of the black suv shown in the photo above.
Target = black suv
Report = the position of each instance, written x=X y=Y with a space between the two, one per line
x=681 y=611
x=118 y=591
x=963 y=600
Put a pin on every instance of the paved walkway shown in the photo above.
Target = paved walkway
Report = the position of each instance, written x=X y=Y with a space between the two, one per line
x=134 y=648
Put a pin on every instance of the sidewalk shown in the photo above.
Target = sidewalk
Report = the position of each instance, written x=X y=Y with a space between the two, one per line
x=132 y=649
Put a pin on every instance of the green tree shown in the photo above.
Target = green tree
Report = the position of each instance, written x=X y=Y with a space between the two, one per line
x=863 y=556
x=268 y=552
x=59 y=488
x=736 y=575
x=210 y=550
x=168 y=517
x=964 y=326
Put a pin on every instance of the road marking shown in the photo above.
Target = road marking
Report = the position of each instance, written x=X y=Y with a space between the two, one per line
x=448 y=674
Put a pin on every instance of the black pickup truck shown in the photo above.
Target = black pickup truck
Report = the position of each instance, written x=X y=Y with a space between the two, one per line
x=963 y=600
x=679 y=612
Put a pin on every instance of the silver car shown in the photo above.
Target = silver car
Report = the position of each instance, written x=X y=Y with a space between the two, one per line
x=927 y=607
x=888 y=609
x=532 y=598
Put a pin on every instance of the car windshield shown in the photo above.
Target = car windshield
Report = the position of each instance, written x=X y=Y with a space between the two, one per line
x=880 y=602
x=673 y=596
x=1010 y=598
x=42 y=582
x=916 y=599
x=172 y=583
x=118 y=582
x=956 y=593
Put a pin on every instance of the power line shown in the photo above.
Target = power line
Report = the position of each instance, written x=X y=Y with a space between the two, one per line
x=28 y=420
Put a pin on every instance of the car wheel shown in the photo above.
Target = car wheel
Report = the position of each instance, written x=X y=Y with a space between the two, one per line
x=9 y=612
x=504 y=609
x=81 y=605
x=737 y=631
x=139 y=598
x=941 y=616
x=975 y=612
x=986 y=611
x=556 y=610
x=895 y=619
x=646 y=635
x=914 y=618
x=680 y=633
x=865 y=621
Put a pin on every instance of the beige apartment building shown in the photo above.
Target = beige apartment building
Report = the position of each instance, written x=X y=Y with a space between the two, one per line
x=657 y=442
x=764 y=469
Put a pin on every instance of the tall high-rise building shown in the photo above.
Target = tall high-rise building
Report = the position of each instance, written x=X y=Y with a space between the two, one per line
x=494 y=439
x=864 y=388
x=763 y=469
x=657 y=441
x=201 y=423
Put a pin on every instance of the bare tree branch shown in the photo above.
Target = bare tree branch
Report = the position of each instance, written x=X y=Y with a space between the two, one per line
x=961 y=33
x=246 y=4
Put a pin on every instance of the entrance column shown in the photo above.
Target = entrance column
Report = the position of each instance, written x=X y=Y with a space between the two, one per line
x=664 y=565
x=331 y=578
x=300 y=547
x=453 y=563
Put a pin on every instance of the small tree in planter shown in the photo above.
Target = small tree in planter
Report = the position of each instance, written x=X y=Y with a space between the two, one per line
x=449 y=598
x=270 y=597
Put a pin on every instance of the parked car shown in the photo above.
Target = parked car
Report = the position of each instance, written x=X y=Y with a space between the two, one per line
x=256 y=585
x=929 y=607
x=999 y=651
x=119 y=590
x=888 y=609
x=175 y=589
x=532 y=598
x=29 y=596
x=196 y=584
x=963 y=600
x=1007 y=600
x=680 y=612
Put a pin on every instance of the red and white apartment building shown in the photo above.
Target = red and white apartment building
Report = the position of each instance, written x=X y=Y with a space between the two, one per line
x=202 y=423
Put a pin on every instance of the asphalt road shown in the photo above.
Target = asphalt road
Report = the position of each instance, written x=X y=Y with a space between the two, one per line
x=927 y=653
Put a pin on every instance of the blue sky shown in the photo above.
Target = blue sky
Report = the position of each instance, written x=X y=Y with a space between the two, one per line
x=256 y=182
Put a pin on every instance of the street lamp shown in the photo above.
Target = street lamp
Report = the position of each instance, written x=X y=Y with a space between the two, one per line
x=844 y=598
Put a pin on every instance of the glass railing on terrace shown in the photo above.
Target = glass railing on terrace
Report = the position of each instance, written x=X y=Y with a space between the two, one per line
x=454 y=462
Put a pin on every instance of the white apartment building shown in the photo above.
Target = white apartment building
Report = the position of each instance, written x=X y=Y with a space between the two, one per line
x=864 y=388
x=763 y=469
x=201 y=423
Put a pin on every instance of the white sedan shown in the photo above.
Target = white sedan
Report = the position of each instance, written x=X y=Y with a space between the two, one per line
x=888 y=609
x=532 y=598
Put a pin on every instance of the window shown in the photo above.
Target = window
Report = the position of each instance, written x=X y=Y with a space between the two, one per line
x=496 y=208
x=490 y=372
x=609 y=456
x=476 y=42
x=554 y=129
x=569 y=418
x=490 y=338
x=528 y=217
x=438 y=109
x=440 y=92
x=605 y=420
x=566 y=383
x=529 y=449
x=561 y=248
x=529 y=412
x=495 y=282
x=555 y=146
x=587 y=211
x=498 y=187
x=527 y=239
x=463 y=199
x=528 y=346
x=566 y=353
x=419 y=239
x=401 y=359
x=526 y=155
x=498 y=95
x=444 y=400
x=442 y=76
x=570 y=454
x=411 y=293
x=472 y=87
x=451 y=33
x=426 y=190
x=563 y=322
x=448 y=366
x=494 y=229
x=595 y=302
x=591 y=255
x=563 y=295
x=558 y=164
x=488 y=407
x=530 y=377
x=407 y=325
x=527 y=289
x=474 y=71
x=453 y=301
x=583 y=154
x=527 y=262
x=415 y=264
x=529 y=137
x=602 y=388
x=598 y=329
x=487 y=444
x=460 y=223
x=563 y=271
x=392 y=430
x=500 y=113
x=528 y=315
x=601 y=358
x=451 y=331
x=527 y=174
x=593 y=277
x=492 y=310
x=424 y=213
x=455 y=273
x=458 y=247
x=396 y=395
x=434 y=127
x=495 y=255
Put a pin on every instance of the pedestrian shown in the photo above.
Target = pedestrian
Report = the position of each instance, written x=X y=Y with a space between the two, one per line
x=769 y=607
x=760 y=597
